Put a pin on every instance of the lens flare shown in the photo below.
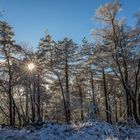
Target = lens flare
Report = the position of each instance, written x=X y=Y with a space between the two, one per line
x=31 y=66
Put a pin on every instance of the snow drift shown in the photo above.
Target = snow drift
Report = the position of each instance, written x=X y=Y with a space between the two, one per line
x=82 y=131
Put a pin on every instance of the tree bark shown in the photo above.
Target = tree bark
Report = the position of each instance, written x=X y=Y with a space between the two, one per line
x=67 y=91
x=106 y=96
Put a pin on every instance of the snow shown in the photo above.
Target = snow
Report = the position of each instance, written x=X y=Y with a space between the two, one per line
x=82 y=131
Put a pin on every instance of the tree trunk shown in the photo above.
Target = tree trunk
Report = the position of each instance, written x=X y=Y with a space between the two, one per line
x=38 y=99
x=116 y=112
x=27 y=108
x=139 y=104
x=129 y=105
x=106 y=97
x=32 y=101
x=81 y=100
x=137 y=118
x=92 y=89
x=64 y=100
x=67 y=92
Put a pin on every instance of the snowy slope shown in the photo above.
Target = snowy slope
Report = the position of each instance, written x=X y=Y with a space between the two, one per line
x=85 y=131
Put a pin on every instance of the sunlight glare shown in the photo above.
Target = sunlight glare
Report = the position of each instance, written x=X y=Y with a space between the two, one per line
x=31 y=66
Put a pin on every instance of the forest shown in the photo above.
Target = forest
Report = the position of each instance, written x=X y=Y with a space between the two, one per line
x=64 y=82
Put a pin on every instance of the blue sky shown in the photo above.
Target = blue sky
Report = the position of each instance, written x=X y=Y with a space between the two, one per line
x=71 y=18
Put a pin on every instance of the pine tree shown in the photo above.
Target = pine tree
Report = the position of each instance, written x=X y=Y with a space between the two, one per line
x=8 y=52
x=115 y=38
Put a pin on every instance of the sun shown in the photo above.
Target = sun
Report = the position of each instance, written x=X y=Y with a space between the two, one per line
x=31 y=66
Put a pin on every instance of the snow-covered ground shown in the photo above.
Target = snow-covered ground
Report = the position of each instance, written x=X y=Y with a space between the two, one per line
x=83 y=131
